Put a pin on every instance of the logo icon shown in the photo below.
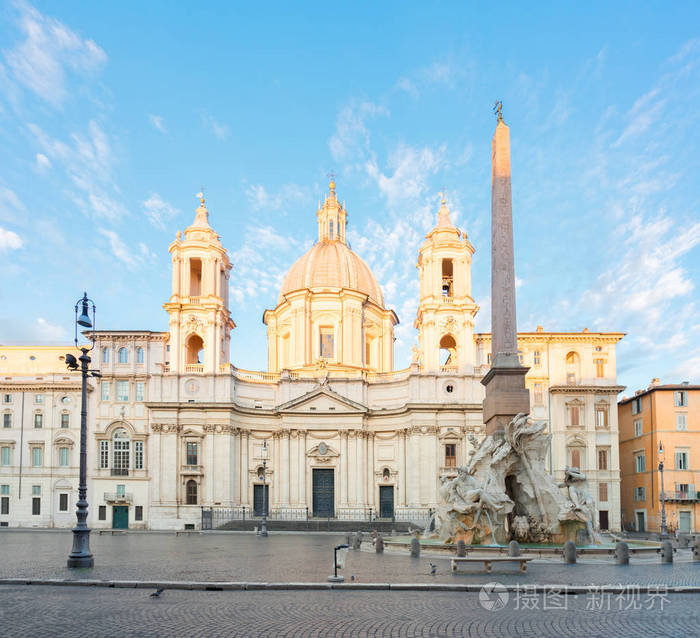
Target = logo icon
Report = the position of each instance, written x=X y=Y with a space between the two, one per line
x=493 y=596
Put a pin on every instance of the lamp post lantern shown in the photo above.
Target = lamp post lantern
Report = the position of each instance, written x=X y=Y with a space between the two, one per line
x=664 y=528
x=263 y=523
x=81 y=556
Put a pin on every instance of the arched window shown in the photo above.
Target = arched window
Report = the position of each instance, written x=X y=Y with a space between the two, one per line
x=447 y=281
x=448 y=351
x=191 y=492
x=121 y=443
x=105 y=355
x=123 y=355
x=195 y=349
x=573 y=372
x=139 y=355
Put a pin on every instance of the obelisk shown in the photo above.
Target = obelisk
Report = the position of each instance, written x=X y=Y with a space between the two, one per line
x=506 y=394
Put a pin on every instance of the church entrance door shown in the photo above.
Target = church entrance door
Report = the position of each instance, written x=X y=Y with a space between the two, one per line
x=386 y=501
x=120 y=517
x=261 y=501
x=323 y=492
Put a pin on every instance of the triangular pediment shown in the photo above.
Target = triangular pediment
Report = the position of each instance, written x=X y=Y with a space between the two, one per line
x=323 y=400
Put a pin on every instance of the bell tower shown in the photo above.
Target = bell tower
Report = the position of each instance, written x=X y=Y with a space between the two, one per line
x=200 y=322
x=446 y=311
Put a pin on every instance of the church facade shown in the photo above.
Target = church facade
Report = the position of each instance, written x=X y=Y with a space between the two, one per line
x=175 y=427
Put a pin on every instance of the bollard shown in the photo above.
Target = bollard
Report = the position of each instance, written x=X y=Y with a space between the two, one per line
x=513 y=548
x=666 y=552
x=461 y=548
x=357 y=540
x=570 y=552
x=696 y=549
x=622 y=553
x=415 y=548
x=379 y=544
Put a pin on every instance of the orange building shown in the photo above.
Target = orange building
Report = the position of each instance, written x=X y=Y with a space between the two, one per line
x=661 y=423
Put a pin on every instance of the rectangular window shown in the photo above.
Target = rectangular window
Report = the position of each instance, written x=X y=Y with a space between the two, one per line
x=326 y=346
x=574 y=415
x=36 y=506
x=571 y=378
x=450 y=455
x=601 y=417
x=138 y=455
x=65 y=420
x=599 y=368
x=192 y=450
x=640 y=494
x=105 y=355
x=576 y=457
x=680 y=399
x=5 y=455
x=602 y=492
x=4 y=504
x=63 y=453
x=7 y=420
x=37 y=457
x=120 y=460
x=63 y=502
x=536 y=357
x=38 y=420
x=122 y=390
x=681 y=460
x=537 y=392
x=139 y=355
x=602 y=459
x=138 y=513
x=7 y=398
x=683 y=489
x=638 y=427
x=36 y=490
x=640 y=464
x=140 y=390
x=38 y=398
x=5 y=490
x=488 y=358
x=121 y=489
x=102 y=513
x=681 y=421
x=104 y=455
x=105 y=390
x=637 y=405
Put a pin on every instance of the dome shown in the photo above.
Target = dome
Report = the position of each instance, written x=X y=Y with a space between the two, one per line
x=331 y=264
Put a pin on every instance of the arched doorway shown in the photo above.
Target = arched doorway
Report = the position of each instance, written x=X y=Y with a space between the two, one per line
x=448 y=351
x=195 y=350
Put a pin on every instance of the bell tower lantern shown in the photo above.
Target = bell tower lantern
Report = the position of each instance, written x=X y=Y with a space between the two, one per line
x=200 y=322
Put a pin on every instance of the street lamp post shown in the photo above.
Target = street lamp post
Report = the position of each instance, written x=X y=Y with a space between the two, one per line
x=664 y=528
x=81 y=556
x=263 y=523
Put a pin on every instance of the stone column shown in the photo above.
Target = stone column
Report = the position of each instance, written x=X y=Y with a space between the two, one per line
x=343 y=469
x=285 y=473
x=234 y=466
x=244 y=467
x=506 y=394
x=370 y=471
x=302 y=468
x=402 y=468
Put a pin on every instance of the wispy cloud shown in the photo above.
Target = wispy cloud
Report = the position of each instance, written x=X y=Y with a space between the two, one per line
x=351 y=138
x=221 y=131
x=158 y=211
x=48 y=52
x=438 y=73
x=120 y=250
x=43 y=163
x=9 y=240
x=260 y=198
x=157 y=122
x=11 y=207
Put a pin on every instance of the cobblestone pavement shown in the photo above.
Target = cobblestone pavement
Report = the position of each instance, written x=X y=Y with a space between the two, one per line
x=299 y=558
x=91 y=612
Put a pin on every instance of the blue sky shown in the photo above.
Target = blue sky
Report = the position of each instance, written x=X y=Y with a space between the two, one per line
x=113 y=115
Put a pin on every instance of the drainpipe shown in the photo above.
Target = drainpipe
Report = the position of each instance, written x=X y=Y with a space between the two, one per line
x=21 y=446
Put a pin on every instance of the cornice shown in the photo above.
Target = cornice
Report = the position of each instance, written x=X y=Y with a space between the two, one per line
x=586 y=389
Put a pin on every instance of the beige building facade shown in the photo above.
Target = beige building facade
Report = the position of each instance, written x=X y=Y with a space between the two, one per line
x=174 y=427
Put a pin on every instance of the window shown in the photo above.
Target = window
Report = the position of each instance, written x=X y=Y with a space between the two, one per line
x=37 y=457
x=488 y=358
x=5 y=490
x=38 y=398
x=192 y=453
x=601 y=416
x=121 y=490
x=575 y=457
x=123 y=355
x=5 y=452
x=536 y=358
x=521 y=357
x=105 y=355
x=683 y=489
x=105 y=390
x=36 y=506
x=7 y=398
x=450 y=455
x=140 y=388
x=681 y=421
x=574 y=414
x=680 y=399
x=138 y=513
x=637 y=405
x=638 y=427
x=122 y=390
x=602 y=492
x=120 y=460
x=65 y=420
x=599 y=368
x=7 y=420
x=602 y=459
x=537 y=392
x=682 y=460
x=191 y=490
x=36 y=490
x=102 y=513
x=326 y=345
x=447 y=278
x=640 y=494
x=104 y=454
x=63 y=502
x=572 y=368
x=138 y=455
x=63 y=456
x=139 y=355
x=640 y=464
x=38 y=420
x=4 y=499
